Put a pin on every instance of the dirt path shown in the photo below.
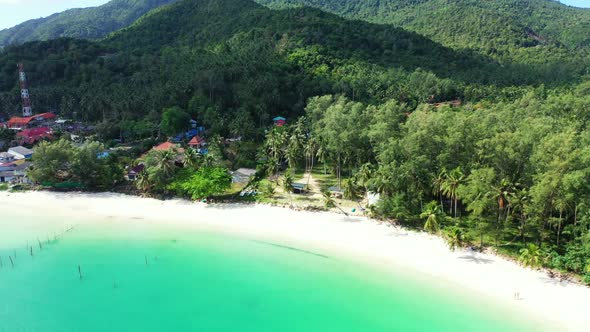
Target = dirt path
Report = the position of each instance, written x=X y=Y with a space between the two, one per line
x=314 y=187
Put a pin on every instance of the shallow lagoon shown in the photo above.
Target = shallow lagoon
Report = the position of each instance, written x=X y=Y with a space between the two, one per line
x=146 y=276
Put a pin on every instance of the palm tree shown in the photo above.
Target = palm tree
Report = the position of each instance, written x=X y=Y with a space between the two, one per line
x=438 y=185
x=322 y=153
x=296 y=145
x=328 y=200
x=275 y=141
x=293 y=151
x=209 y=160
x=501 y=195
x=269 y=190
x=350 y=189
x=520 y=201
x=455 y=239
x=561 y=204
x=288 y=185
x=364 y=176
x=433 y=215
x=383 y=182
x=452 y=181
x=530 y=256
x=310 y=151
x=143 y=182
x=165 y=161
x=191 y=158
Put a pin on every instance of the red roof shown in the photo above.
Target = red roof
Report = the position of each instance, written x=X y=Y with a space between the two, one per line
x=34 y=132
x=18 y=121
x=30 y=136
x=165 y=146
x=197 y=140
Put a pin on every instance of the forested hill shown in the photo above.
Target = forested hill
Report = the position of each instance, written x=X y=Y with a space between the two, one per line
x=233 y=64
x=94 y=22
x=498 y=27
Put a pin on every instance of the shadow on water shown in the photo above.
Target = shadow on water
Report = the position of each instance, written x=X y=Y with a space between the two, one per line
x=292 y=248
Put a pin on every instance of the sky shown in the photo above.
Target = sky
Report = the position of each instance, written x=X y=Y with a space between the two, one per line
x=577 y=3
x=13 y=12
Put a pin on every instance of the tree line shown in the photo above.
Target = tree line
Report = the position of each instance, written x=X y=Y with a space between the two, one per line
x=509 y=175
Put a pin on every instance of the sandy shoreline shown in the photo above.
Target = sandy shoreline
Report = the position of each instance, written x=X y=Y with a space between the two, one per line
x=561 y=304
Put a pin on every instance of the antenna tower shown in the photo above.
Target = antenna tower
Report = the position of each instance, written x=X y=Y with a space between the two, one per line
x=24 y=91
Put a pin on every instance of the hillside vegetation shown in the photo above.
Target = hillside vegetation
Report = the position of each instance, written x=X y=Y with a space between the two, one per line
x=521 y=29
x=92 y=23
x=505 y=166
x=238 y=61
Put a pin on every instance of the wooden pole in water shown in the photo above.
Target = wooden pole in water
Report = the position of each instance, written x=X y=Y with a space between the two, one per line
x=80 y=272
x=146 y=261
x=11 y=262
x=40 y=246
x=31 y=251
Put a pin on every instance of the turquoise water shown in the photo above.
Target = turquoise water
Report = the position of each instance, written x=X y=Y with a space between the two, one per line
x=138 y=276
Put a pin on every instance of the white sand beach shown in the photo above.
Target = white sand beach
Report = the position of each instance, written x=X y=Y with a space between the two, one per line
x=561 y=304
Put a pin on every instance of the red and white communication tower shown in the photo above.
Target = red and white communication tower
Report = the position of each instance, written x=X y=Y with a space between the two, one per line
x=24 y=91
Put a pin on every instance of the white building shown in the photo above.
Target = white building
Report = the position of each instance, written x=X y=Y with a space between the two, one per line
x=20 y=152
x=6 y=157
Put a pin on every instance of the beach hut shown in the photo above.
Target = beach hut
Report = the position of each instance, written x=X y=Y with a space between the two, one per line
x=336 y=192
x=279 y=121
x=243 y=175
x=298 y=188
x=134 y=172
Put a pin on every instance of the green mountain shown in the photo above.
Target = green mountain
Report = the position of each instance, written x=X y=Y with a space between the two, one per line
x=234 y=64
x=491 y=27
x=95 y=22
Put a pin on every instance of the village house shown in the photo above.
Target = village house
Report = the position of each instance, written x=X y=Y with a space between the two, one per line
x=168 y=146
x=6 y=157
x=39 y=120
x=16 y=175
x=33 y=135
x=12 y=170
x=279 y=121
x=199 y=144
x=6 y=176
x=133 y=172
x=20 y=152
